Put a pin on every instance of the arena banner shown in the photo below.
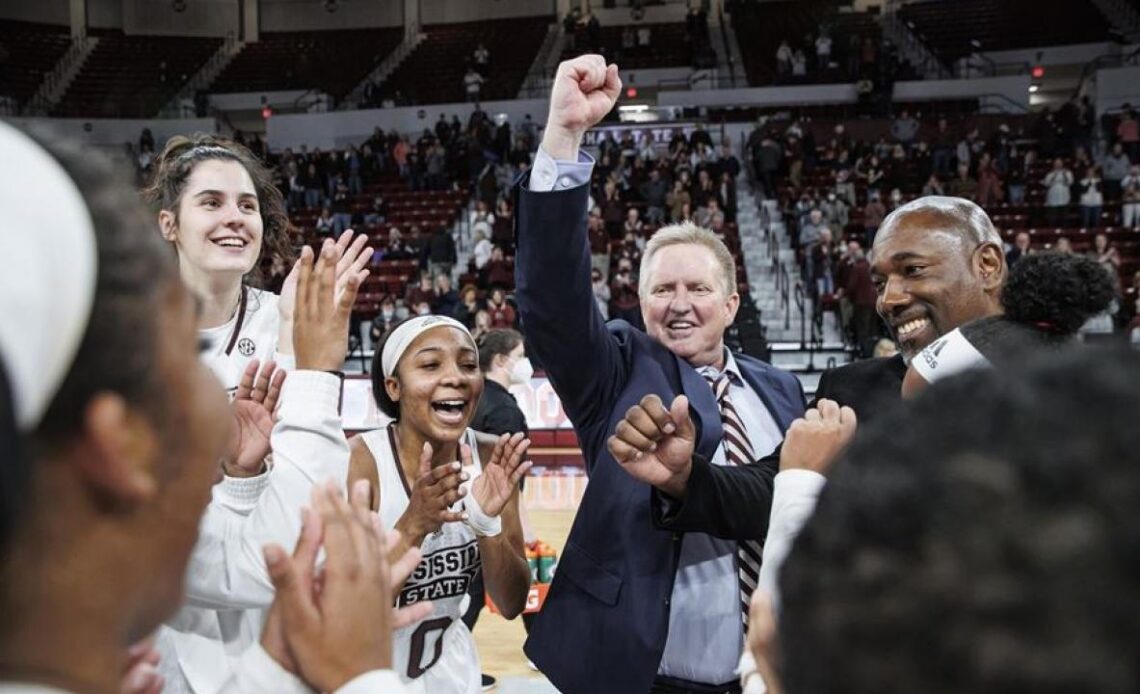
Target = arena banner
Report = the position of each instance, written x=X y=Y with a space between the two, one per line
x=537 y=400
x=659 y=133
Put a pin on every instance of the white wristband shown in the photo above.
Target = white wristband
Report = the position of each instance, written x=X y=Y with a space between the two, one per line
x=478 y=520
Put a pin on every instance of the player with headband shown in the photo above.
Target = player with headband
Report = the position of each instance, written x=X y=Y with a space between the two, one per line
x=448 y=490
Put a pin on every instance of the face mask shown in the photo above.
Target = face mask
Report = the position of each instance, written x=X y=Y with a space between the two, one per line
x=522 y=371
x=831 y=197
x=388 y=313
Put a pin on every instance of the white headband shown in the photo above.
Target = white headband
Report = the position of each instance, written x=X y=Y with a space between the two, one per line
x=407 y=332
x=47 y=241
x=948 y=355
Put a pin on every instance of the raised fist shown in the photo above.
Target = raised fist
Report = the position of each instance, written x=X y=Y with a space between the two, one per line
x=585 y=90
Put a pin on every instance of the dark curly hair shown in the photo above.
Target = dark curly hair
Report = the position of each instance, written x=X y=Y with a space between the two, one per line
x=1047 y=298
x=984 y=539
x=1056 y=291
x=172 y=170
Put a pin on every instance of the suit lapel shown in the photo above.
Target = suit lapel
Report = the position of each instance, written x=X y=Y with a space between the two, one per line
x=703 y=406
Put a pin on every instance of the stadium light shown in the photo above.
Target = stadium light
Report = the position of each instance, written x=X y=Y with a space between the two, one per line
x=1033 y=88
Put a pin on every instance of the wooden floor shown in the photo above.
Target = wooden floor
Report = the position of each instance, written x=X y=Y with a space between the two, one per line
x=499 y=641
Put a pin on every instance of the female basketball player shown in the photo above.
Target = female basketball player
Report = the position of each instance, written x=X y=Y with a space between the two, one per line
x=448 y=491
x=217 y=204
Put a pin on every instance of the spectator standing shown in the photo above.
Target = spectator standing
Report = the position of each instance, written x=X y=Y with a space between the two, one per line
x=799 y=65
x=989 y=182
x=860 y=290
x=1128 y=133
x=654 y=191
x=823 y=52
x=613 y=209
x=873 y=213
x=441 y=252
x=341 y=209
x=482 y=59
x=481 y=253
x=677 y=200
x=472 y=85
x=1058 y=192
x=1115 y=168
x=810 y=230
x=1130 y=193
x=783 y=61
x=942 y=149
x=1091 y=198
x=834 y=210
x=904 y=129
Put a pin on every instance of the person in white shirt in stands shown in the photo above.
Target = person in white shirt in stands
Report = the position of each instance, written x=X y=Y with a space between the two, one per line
x=110 y=427
x=215 y=203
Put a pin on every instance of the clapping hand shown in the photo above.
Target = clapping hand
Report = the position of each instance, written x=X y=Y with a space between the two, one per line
x=322 y=313
x=434 y=492
x=253 y=407
x=501 y=475
x=655 y=445
x=353 y=256
x=334 y=626
x=815 y=441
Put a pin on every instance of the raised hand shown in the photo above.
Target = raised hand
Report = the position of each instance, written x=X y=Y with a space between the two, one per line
x=343 y=629
x=354 y=258
x=584 y=91
x=815 y=441
x=253 y=407
x=321 y=316
x=434 y=493
x=655 y=445
x=501 y=475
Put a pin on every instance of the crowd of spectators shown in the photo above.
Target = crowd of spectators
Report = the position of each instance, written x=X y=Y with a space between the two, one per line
x=835 y=192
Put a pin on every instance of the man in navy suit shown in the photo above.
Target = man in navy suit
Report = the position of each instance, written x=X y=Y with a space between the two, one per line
x=648 y=592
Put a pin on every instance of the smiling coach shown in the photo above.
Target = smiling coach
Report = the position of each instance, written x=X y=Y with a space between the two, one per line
x=651 y=589
x=937 y=264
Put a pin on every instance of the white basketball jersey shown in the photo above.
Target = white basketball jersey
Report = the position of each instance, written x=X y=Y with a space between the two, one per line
x=250 y=334
x=435 y=655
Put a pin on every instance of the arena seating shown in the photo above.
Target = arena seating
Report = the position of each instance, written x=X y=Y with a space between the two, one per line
x=434 y=71
x=668 y=47
x=332 y=61
x=949 y=26
x=31 y=51
x=760 y=27
x=408 y=211
x=133 y=76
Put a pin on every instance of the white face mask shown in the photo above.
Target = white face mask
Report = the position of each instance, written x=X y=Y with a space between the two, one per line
x=521 y=371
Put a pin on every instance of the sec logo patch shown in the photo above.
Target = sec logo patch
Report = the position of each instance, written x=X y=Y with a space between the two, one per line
x=246 y=347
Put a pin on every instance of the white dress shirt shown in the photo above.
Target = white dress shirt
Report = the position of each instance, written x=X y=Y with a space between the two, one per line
x=706 y=634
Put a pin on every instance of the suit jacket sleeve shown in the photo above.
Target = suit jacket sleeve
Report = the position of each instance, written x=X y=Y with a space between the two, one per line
x=563 y=325
x=823 y=389
x=725 y=501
